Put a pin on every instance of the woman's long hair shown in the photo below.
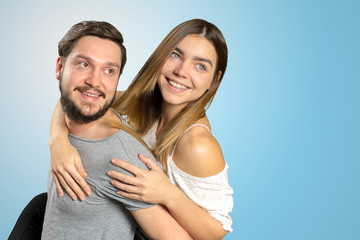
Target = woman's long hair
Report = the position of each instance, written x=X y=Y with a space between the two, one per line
x=141 y=102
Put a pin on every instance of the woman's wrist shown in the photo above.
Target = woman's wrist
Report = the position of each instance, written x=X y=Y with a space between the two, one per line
x=60 y=136
x=173 y=196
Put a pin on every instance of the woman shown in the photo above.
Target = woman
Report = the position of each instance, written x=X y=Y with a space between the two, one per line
x=166 y=105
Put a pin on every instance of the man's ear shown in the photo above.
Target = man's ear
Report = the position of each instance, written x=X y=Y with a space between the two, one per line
x=59 y=67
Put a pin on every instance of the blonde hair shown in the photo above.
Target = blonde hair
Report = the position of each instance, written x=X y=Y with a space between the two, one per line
x=141 y=102
x=121 y=126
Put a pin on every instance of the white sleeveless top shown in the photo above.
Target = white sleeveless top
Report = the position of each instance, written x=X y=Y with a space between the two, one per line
x=213 y=193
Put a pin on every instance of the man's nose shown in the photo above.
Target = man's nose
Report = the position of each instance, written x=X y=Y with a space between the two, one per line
x=93 y=79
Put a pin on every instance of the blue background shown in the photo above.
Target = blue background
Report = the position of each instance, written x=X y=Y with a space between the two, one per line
x=287 y=114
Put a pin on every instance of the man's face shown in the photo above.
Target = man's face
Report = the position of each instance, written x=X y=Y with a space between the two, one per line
x=88 y=78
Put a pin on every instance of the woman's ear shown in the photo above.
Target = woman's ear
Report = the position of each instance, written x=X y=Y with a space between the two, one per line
x=59 y=67
x=218 y=76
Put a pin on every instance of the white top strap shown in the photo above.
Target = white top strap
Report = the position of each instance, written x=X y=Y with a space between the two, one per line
x=197 y=124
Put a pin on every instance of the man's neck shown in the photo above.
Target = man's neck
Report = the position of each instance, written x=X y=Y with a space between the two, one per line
x=94 y=130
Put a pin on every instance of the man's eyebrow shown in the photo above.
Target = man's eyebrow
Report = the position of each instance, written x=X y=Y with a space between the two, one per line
x=83 y=57
x=195 y=58
x=112 y=64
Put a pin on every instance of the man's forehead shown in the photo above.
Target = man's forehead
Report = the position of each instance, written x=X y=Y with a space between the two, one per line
x=96 y=48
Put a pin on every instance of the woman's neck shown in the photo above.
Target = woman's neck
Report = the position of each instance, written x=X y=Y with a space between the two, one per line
x=168 y=113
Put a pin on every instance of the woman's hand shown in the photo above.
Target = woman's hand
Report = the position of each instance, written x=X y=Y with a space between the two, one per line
x=151 y=186
x=66 y=165
x=68 y=171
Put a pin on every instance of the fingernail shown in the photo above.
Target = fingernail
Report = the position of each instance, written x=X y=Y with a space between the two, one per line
x=73 y=198
x=109 y=173
x=114 y=161
x=82 y=198
x=140 y=155
x=112 y=182
x=88 y=192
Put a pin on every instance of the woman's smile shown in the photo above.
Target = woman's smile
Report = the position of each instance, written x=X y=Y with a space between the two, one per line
x=188 y=72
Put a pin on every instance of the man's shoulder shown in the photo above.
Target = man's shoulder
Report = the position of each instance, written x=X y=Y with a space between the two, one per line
x=129 y=141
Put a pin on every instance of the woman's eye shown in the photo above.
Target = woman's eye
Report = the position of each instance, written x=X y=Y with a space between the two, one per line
x=201 y=67
x=175 y=56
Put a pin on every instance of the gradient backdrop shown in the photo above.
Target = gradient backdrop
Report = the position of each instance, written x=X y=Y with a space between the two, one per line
x=287 y=114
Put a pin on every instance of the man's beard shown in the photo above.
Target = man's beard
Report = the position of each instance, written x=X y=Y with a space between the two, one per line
x=74 y=113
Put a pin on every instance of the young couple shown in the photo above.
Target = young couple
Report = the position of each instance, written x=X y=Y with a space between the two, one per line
x=145 y=156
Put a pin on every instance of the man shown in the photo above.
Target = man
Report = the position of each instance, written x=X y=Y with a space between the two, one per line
x=91 y=59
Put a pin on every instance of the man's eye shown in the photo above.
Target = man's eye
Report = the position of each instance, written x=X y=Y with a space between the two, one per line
x=84 y=65
x=109 y=71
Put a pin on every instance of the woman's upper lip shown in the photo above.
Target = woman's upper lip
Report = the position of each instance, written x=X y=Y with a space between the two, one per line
x=178 y=82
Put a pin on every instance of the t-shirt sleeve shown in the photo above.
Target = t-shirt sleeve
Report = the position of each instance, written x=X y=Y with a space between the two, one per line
x=126 y=148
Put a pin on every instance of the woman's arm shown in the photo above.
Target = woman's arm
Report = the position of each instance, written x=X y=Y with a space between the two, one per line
x=198 y=154
x=157 y=223
x=66 y=165
x=154 y=187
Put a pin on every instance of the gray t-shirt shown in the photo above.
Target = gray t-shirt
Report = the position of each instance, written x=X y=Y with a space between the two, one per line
x=104 y=214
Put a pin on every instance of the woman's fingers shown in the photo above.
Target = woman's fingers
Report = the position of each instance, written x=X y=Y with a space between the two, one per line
x=83 y=185
x=70 y=179
x=80 y=168
x=71 y=182
x=66 y=187
x=75 y=174
x=58 y=186
x=128 y=191
x=68 y=183
x=125 y=187
x=149 y=162
x=130 y=195
x=127 y=166
x=146 y=185
x=124 y=178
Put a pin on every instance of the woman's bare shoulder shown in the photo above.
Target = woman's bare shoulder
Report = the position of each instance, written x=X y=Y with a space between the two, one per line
x=198 y=153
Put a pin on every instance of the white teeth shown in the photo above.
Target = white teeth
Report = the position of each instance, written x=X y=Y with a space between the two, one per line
x=91 y=95
x=176 y=85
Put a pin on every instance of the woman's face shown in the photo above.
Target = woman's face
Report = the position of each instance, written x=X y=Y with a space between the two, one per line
x=188 y=72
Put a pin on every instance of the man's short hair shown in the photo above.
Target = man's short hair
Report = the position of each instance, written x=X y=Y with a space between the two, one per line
x=91 y=28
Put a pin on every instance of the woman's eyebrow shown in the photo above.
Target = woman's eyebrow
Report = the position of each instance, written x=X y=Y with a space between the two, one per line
x=179 y=50
x=195 y=58
x=203 y=60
